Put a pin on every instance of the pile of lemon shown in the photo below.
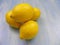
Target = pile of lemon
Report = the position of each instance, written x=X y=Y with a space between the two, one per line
x=23 y=16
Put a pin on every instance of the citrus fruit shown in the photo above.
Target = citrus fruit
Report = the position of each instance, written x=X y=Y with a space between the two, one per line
x=22 y=12
x=28 y=30
x=36 y=14
x=11 y=21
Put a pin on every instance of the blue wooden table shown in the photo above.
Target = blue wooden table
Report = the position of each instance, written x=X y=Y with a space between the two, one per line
x=49 y=23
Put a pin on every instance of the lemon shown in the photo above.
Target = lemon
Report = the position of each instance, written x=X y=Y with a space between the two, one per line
x=22 y=12
x=28 y=30
x=36 y=14
x=10 y=21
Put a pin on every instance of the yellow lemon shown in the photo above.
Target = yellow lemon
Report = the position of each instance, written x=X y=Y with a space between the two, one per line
x=10 y=21
x=36 y=14
x=28 y=30
x=22 y=12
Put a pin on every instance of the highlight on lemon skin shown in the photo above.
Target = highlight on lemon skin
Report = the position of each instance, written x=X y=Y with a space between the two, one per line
x=28 y=30
x=11 y=21
x=37 y=13
x=22 y=12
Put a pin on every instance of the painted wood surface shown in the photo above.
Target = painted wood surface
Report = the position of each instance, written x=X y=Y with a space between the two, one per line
x=49 y=23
